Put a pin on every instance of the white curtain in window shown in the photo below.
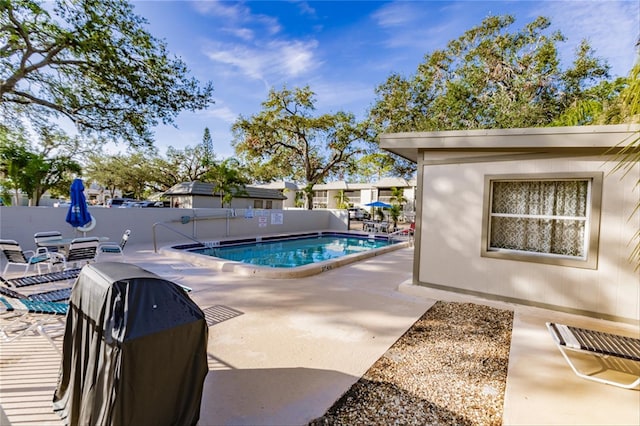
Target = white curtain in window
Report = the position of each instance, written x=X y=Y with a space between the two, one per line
x=540 y=216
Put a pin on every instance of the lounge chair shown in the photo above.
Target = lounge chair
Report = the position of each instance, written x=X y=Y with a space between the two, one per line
x=30 y=316
x=412 y=229
x=619 y=355
x=55 y=295
x=68 y=274
x=111 y=247
x=81 y=251
x=24 y=258
x=409 y=232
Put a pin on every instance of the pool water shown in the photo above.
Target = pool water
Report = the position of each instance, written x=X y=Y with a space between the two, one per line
x=295 y=252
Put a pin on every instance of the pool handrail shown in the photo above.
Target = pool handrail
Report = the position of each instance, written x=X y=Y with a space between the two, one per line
x=400 y=232
x=228 y=214
x=164 y=225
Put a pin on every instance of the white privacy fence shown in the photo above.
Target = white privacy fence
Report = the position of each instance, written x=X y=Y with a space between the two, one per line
x=171 y=225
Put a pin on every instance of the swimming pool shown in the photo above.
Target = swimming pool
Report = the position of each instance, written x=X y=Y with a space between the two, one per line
x=286 y=256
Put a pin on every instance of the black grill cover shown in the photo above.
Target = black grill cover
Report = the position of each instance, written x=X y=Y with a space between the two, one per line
x=134 y=350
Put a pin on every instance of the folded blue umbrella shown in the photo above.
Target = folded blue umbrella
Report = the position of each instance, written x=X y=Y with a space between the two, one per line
x=78 y=213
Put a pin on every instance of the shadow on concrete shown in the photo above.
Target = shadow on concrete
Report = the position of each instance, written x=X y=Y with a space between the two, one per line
x=280 y=396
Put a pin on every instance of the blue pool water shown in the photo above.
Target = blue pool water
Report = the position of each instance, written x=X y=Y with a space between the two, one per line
x=295 y=252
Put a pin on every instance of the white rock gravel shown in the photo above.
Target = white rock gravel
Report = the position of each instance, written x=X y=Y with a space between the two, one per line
x=449 y=368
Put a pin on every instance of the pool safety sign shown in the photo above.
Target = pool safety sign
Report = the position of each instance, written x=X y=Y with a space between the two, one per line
x=277 y=218
x=262 y=221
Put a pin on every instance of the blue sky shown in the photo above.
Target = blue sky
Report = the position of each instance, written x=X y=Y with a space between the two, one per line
x=344 y=49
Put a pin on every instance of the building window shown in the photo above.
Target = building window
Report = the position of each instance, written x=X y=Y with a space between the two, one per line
x=257 y=204
x=268 y=204
x=551 y=219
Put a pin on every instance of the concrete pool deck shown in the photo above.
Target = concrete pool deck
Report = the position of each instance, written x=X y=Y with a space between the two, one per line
x=285 y=350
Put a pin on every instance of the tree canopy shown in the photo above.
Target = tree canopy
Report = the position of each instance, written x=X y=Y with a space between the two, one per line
x=141 y=173
x=133 y=173
x=33 y=172
x=229 y=180
x=489 y=78
x=290 y=142
x=92 y=62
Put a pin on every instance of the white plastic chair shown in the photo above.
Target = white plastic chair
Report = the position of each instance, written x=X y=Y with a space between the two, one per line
x=113 y=247
x=81 y=251
x=39 y=237
x=23 y=258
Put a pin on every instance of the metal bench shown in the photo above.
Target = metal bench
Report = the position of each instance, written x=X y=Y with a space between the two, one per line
x=614 y=352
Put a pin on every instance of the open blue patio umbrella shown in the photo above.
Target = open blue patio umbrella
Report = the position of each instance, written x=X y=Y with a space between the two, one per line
x=379 y=204
x=78 y=213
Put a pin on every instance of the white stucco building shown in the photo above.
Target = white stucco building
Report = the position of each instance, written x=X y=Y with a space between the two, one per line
x=326 y=195
x=539 y=216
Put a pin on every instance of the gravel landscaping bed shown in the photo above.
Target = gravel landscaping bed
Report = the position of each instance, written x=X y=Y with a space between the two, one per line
x=449 y=368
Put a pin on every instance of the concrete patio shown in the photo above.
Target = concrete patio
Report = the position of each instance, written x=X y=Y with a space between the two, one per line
x=284 y=350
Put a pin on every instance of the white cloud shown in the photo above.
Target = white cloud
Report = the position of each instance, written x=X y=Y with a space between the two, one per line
x=237 y=14
x=222 y=113
x=241 y=33
x=271 y=25
x=305 y=8
x=274 y=60
x=396 y=15
x=229 y=10
x=414 y=25
x=296 y=57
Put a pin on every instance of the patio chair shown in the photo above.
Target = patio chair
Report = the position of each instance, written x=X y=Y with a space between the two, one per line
x=111 y=247
x=616 y=355
x=81 y=251
x=368 y=226
x=29 y=316
x=24 y=258
x=39 y=237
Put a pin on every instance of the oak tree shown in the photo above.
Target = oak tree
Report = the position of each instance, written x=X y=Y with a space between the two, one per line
x=490 y=77
x=289 y=140
x=93 y=63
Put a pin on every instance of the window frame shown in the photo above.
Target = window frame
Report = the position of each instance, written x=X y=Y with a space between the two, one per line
x=592 y=225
